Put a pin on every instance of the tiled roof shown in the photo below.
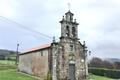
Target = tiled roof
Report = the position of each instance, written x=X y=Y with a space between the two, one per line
x=37 y=48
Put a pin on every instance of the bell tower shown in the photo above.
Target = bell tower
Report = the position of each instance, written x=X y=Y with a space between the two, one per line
x=69 y=27
x=70 y=54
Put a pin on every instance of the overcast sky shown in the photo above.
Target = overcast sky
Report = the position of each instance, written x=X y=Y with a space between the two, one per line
x=99 y=23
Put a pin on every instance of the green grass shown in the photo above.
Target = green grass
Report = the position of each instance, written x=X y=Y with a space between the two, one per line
x=7 y=62
x=94 y=77
x=12 y=74
x=5 y=65
x=8 y=71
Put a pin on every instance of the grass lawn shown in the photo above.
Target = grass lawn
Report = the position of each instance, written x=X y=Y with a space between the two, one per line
x=7 y=62
x=8 y=72
x=94 y=77
x=12 y=74
x=5 y=65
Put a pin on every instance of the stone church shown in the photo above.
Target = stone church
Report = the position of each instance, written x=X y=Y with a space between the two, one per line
x=62 y=60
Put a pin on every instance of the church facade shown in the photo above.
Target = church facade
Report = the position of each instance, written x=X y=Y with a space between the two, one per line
x=63 y=60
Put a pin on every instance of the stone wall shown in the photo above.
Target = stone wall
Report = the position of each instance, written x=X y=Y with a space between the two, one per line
x=35 y=63
x=71 y=50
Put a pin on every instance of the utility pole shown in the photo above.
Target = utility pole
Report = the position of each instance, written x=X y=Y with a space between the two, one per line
x=17 y=54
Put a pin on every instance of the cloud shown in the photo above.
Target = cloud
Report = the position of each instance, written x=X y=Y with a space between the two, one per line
x=99 y=23
x=99 y=26
x=8 y=8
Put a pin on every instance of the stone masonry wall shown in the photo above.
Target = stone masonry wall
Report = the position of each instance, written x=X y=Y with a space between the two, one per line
x=35 y=63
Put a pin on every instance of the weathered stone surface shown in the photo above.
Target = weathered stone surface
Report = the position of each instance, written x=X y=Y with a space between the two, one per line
x=65 y=60
x=69 y=51
x=34 y=63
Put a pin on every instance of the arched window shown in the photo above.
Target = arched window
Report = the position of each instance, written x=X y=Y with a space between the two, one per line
x=67 y=31
x=73 y=31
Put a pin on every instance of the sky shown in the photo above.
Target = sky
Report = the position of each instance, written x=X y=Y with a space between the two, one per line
x=99 y=24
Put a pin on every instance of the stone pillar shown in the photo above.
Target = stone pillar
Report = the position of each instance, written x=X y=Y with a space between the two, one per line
x=54 y=61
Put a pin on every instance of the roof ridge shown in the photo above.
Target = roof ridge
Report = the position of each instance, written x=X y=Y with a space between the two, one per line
x=37 y=48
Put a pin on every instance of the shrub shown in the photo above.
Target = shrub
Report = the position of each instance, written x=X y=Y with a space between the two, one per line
x=105 y=72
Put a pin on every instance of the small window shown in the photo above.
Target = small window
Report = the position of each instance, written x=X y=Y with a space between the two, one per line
x=67 y=31
x=41 y=53
x=71 y=47
x=73 y=31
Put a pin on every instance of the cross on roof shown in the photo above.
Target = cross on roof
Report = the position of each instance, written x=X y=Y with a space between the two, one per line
x=69 y=5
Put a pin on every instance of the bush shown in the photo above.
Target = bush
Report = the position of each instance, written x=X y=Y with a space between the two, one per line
x=105 y=72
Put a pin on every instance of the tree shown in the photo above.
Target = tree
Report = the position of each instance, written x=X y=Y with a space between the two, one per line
x=107 y=64
x=95 y=62
x=117 y=65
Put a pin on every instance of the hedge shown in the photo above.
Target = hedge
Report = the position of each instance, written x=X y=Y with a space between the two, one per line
x=105 y=72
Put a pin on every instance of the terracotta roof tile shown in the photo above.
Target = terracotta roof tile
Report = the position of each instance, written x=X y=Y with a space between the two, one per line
x=37 y=48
